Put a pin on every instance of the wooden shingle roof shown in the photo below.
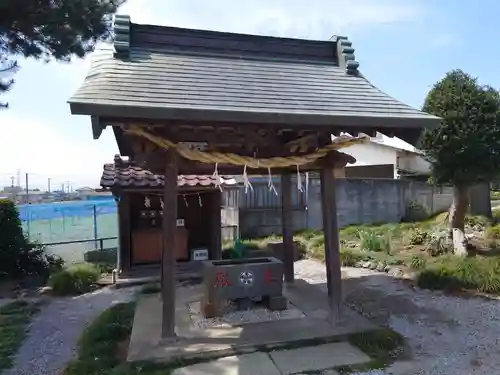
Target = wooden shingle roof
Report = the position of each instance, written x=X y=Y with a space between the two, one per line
x=159 y=72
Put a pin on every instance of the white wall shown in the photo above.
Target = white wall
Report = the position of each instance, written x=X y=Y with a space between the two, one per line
x=413 y=162
x=370 y=153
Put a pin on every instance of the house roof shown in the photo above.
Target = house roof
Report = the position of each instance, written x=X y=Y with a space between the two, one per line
x=157 y=72
x=127 y=175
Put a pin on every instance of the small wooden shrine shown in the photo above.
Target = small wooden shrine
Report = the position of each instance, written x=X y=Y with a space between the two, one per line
x=139 y=196
x=184 y=101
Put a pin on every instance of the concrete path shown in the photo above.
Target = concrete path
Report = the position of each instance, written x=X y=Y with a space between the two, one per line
x=320 y=359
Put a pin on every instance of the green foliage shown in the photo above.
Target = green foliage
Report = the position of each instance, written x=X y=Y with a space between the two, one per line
x=495 y=195
x=98 y=346
x=465 y=148
x=416 y=211
x=76 y=279
x=493 y=232
x=477 y=221
x=418 y=237
x=382 y=345
x=52 y=29
x=451 y=273
x=439 y=243
x=14 y=323
x=371 y=241
x=349 y=258
x=104 y=256
x=418 y=262
x=18 y=257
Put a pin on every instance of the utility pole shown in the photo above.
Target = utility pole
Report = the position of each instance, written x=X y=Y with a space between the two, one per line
x=27 y=191
x=48 y=184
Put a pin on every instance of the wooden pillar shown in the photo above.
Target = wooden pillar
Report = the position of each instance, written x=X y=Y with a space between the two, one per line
x=332 y=243
x=168 y=263
x=216 y=241
x=286 y=222
x=124 y=235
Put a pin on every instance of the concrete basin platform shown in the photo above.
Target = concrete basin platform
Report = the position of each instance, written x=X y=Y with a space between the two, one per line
x=309 y=321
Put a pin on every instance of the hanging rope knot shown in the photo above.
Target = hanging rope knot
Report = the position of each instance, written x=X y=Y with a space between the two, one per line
x=246 y=181
x=217 y=177
x=300 y=187
x=270 y=183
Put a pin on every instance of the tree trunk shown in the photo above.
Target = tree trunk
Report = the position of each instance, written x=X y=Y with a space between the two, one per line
x=456 y=223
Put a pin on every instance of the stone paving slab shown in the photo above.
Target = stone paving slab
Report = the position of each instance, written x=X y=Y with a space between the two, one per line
x=318 y=357
x=247 y=364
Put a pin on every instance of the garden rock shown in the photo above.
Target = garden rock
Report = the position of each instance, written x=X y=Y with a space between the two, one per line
x=396 y=272
x=380 y=267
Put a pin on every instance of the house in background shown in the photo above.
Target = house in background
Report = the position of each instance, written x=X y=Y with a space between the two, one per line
x=31 y=196
x=87 y=193
x=385 y=157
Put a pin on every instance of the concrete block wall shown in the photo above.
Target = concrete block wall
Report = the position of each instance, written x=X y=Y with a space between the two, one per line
x=359 y=201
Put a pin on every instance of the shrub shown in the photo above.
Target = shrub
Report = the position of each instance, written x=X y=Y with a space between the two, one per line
x=418 y=237
x=495 y=195
x=416 y=211
x=439 y=243
x=477 y=221
x=453 y=273
x=371 y=241
x=76 y=279
x=493 y=232
x=349 y=258
x=307 y=234
x=104 y=256
x=18 y=257
x=418 y=262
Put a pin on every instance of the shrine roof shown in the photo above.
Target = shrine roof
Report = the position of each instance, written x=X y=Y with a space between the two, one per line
x=121 y=174
x=169 y=73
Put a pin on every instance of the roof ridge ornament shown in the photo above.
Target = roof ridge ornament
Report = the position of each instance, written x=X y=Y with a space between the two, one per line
x=345 y=54
x=121 y=30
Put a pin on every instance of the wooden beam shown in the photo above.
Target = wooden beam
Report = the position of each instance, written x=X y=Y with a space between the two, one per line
x=168 y=262
x=286 y=223
x=332 y=243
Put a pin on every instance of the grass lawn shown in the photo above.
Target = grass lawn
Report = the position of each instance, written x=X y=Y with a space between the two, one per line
x=14 y=322
x=422 y=247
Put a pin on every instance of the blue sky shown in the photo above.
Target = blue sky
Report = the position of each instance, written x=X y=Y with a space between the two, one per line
x=403 y=47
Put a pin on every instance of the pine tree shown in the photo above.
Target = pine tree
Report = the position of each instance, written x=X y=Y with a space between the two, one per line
x=48 y=29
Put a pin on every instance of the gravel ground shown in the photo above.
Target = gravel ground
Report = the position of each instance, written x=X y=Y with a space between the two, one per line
x=448 y=335
x=54 y=332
